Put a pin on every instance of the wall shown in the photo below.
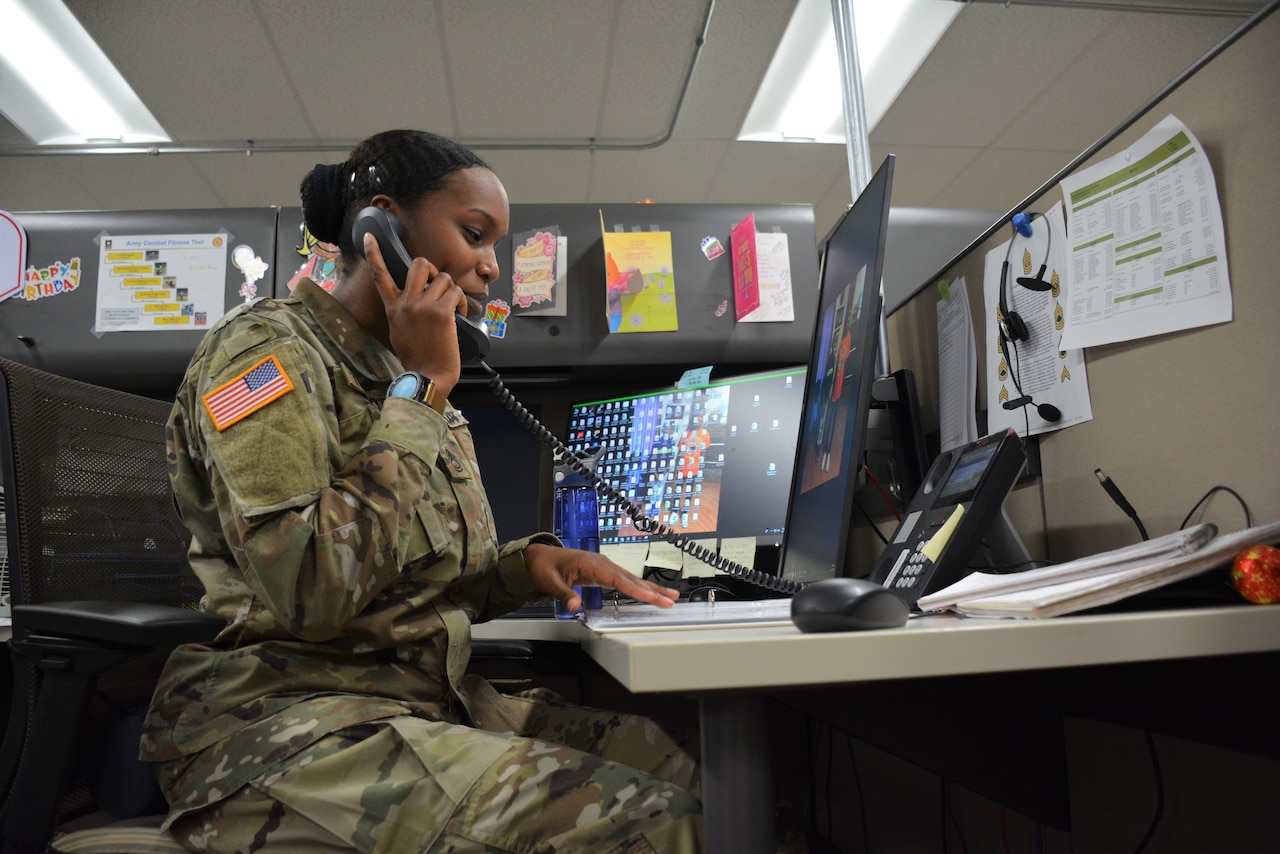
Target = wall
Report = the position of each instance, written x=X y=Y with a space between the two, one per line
x=1176 y=414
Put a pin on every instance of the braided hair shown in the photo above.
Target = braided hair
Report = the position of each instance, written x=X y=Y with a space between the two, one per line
x=405 y=165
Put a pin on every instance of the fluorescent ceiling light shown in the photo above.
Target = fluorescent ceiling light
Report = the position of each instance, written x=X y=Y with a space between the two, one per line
x=800 y=98
x=58 y=87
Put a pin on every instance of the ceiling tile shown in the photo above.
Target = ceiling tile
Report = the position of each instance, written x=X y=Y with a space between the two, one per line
x=206 y=72
x=1086 y=101
x=992 y=63
x=550 y=177
x=1001 y=179
x=740 y=43
x=354 y=74
x=534 y=70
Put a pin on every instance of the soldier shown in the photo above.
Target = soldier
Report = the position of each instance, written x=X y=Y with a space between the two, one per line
x=340 y=526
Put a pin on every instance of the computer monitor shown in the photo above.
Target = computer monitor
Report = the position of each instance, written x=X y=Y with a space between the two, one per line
x=838 y=389
x=710 y=461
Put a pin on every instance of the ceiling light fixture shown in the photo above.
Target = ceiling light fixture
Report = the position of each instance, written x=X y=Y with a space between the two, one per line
x=799 y=99
x=57 y=85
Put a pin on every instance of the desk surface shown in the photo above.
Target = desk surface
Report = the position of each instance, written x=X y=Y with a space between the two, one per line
x=718 y=659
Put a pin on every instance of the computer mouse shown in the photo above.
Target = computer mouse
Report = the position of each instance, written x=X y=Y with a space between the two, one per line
x=846 y=605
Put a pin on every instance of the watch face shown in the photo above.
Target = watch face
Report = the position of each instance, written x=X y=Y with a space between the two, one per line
x=405 y=385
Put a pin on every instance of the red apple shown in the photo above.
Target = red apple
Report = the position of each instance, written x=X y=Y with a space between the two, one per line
x=1256 y=574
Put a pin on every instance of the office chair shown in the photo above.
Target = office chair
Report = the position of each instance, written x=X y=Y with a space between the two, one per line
x=101 y=591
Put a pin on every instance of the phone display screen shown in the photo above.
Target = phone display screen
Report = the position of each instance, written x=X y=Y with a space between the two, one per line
x=967 y=474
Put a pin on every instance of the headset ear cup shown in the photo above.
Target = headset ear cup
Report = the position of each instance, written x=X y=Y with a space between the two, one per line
x=1015 y=327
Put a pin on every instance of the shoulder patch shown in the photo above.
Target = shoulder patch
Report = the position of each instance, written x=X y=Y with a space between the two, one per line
x=246 y=394
x=251 y=335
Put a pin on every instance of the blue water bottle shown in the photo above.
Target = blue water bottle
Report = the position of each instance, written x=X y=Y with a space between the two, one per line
x=576 y=518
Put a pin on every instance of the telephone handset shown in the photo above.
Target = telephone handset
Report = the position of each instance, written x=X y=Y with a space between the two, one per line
x=473 y=344
x=959 y=505
x=473 y=340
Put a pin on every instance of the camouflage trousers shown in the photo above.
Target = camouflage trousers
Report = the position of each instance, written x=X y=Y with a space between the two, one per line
x=566 y=779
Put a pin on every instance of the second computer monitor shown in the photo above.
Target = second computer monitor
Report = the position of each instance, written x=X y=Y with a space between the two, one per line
x=710 y=462
x=838 y=391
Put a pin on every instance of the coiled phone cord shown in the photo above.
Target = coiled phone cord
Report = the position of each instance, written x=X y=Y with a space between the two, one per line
x=644 y=524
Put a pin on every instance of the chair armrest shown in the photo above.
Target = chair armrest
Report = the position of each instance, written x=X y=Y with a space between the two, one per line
x=136 y=624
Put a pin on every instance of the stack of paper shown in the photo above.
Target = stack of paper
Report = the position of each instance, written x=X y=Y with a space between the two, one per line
x=1099 y=579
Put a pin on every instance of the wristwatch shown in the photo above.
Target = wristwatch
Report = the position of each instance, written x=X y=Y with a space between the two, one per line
x=415 y=386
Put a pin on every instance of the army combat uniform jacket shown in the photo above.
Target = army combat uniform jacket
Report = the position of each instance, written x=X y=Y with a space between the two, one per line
x=346 y=539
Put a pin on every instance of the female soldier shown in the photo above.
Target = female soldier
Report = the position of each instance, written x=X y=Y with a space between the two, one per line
x=339 y=525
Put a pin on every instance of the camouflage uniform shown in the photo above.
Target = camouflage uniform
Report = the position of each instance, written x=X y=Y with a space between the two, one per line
x=349 y=544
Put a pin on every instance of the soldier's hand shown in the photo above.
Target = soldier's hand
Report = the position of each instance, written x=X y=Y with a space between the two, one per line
x=555 y=570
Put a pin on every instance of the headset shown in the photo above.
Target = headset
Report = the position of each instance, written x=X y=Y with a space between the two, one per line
x=1011 y=325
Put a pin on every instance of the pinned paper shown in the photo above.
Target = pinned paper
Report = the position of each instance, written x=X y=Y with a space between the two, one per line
x=639 y=280
x=13 y=255
x=746 y=282
x=694 y=377
x=533 y=268
x=559 y=305
x=773 y=267
x=140 y=276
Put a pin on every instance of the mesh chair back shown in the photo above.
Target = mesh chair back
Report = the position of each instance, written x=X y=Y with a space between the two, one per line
x=89 y=515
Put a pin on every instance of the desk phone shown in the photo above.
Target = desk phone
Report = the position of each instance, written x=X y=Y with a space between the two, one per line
x=957 y=505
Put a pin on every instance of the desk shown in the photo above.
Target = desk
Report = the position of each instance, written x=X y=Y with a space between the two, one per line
x=731 y=670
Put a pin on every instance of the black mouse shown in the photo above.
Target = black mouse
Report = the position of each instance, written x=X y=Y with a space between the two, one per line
x=846 y=605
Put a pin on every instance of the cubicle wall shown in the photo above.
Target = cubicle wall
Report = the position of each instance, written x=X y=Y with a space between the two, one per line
x=579 y=338
x=59 y=327
x=1176 y=414
x=55 y=326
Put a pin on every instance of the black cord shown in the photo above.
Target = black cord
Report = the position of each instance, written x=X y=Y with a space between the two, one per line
x=1248 y=519
x=862 y=797
x=831 y=761
x=644 y=524
x=1123 y=503
x=1155 y=768
x=1017 y=384
x=870 y=521
x=662 y=574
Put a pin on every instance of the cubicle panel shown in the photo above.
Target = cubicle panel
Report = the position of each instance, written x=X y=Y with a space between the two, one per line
x=708 y=332
x=1177 y=414
x=921 y=241
x=64 y=323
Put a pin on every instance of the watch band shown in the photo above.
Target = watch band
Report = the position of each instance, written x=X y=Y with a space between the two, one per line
x=415 y=386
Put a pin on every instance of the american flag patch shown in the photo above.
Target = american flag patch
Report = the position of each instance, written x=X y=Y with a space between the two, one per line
x=247 y=393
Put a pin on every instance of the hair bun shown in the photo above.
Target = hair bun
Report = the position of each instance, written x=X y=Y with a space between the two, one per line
x=322 y=208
